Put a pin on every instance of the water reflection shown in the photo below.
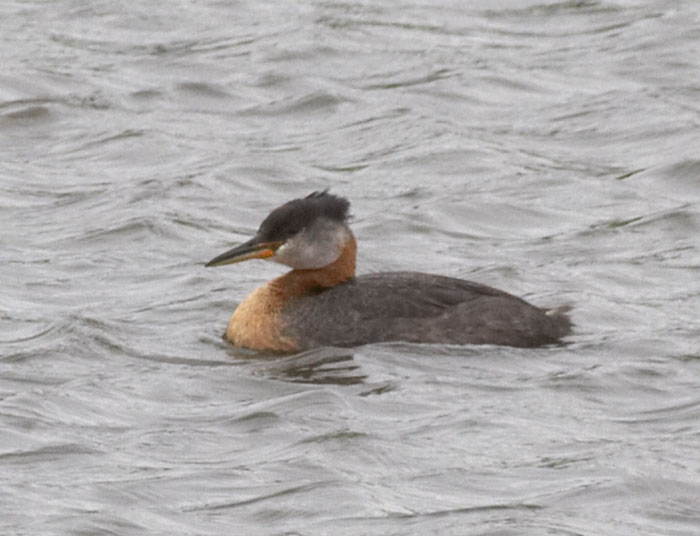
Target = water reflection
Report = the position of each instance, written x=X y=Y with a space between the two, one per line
x=322 y=366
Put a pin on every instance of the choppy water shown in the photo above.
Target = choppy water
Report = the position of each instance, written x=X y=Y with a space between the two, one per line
x=551 y=149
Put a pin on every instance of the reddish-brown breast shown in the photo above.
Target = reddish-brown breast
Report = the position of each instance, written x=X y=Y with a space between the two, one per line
x=257 y=323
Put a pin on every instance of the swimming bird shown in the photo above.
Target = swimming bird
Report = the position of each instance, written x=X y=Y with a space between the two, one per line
x=321 y=302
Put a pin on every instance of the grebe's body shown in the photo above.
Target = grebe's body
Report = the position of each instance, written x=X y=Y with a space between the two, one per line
x=320 y=302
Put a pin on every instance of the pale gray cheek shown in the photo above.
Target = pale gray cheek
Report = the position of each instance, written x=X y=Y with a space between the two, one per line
x=294 y=256
x=313 y=249
x=284 y=256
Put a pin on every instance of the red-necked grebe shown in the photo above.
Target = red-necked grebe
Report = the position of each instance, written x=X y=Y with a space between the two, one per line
x=320 y=302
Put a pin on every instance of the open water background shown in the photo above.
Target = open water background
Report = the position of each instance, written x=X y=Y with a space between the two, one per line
x=551 y=149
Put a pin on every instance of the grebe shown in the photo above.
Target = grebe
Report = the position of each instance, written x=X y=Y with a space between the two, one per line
x=320 y=302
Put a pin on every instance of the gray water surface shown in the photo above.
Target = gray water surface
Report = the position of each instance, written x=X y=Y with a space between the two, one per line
x=551 y=149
